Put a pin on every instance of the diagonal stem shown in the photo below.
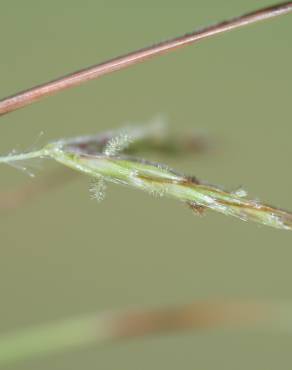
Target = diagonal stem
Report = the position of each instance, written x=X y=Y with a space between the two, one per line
x=35 y=94
x=109 y=327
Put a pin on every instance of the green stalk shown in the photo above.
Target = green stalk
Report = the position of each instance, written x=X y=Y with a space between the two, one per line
x=10 y=158
x=51 y=338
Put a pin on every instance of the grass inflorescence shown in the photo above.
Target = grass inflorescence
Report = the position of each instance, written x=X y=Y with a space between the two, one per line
x=102 y=158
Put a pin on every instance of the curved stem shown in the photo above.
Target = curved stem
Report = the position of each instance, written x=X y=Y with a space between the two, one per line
x=34 y=94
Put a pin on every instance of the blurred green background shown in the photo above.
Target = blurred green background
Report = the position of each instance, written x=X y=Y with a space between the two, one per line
x=65 y=255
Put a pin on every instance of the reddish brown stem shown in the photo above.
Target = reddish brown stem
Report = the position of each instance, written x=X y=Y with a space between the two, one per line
x=34 y=94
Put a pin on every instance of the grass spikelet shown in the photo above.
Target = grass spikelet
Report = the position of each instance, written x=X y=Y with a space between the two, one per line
x=155 y=178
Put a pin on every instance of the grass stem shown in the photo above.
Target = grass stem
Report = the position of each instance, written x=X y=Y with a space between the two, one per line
x=24 y=98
